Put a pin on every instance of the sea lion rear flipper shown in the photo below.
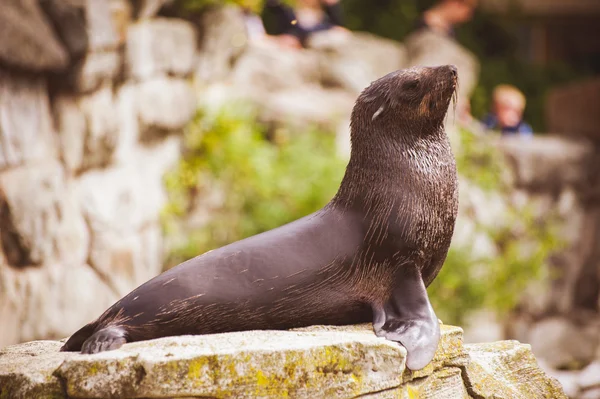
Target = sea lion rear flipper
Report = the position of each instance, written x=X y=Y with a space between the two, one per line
x=76 y=340
x=107 y=339
x=408 y=318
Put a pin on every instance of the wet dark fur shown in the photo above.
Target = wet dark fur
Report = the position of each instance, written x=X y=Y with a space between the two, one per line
x=366 y=256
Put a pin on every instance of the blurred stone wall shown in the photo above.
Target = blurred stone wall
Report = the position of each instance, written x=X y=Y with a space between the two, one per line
x=560 y=317
x=556 y=176
x=93 y=98
x=91 y=101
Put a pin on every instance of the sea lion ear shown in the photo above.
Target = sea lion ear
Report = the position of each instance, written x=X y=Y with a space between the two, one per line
x=378 y=112
x=411 y=83
x=369 y=98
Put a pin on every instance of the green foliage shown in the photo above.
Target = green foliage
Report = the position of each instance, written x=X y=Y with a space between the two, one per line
x=478 y=162
x=198 y=5
x=256 y=6
x=467 y=282
x=522 y=242
x=267 y=183
x=389 y=18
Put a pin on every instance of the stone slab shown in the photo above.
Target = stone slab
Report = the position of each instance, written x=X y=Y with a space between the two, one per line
x=315 y=362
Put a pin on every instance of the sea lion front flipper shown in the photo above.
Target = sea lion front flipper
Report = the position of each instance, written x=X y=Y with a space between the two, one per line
x=408 y=318
x=107 y=339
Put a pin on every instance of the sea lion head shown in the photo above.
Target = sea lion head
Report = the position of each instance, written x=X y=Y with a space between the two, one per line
x=409 y=100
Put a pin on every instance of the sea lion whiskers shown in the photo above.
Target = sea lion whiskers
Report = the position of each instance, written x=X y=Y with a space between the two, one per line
x=296 y=273
x=454 y=98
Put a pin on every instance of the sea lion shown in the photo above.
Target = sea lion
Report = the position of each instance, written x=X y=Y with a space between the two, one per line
x=366 y=256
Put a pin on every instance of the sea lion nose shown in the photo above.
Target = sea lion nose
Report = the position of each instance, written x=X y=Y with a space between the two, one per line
x=453 y=70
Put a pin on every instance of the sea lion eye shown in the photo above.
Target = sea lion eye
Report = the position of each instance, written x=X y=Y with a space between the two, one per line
x=432 y=106
x=411 y=84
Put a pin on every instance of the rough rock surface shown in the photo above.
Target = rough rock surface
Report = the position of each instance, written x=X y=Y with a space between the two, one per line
x=101 y=30
x=563 y=344
x=87 y=129
x=223 y=38
x=26 y=131
x=308 y=106
x=32 y=44
x=275 y=69
x=148 y=8
x=40 y=217
x=72 y=175
x=66 y=297
x=425 y=47
x=572 y=109
x=70 y=22
x=95 y=70
x=540 y=164
x=160 y=46
x=556 y=177
x=507 y=369
x=583 y=384
x=121 y=206
x=164 y=104
x=89 y=31
x=321 y=361
x=353 y=61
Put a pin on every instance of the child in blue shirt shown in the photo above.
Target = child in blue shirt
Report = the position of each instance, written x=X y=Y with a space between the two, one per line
x=507 y=112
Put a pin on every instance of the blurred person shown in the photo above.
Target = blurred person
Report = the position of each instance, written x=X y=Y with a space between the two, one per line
x=297 y=24
x=446 y=14
x=507 y=112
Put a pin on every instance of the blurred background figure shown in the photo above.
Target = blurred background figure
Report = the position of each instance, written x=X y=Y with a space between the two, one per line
x=507 y=112
x=294 y=25
x=446 y=14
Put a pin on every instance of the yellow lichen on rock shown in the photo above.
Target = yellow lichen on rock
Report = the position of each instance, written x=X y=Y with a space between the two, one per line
x=319 y=362
x=450 y=352
x=442 y=384
x=508 y=369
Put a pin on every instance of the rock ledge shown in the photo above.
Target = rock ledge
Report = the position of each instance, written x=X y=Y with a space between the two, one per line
x=315 y=362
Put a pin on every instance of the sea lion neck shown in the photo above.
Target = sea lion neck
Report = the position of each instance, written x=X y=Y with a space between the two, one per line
x=381 y=167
